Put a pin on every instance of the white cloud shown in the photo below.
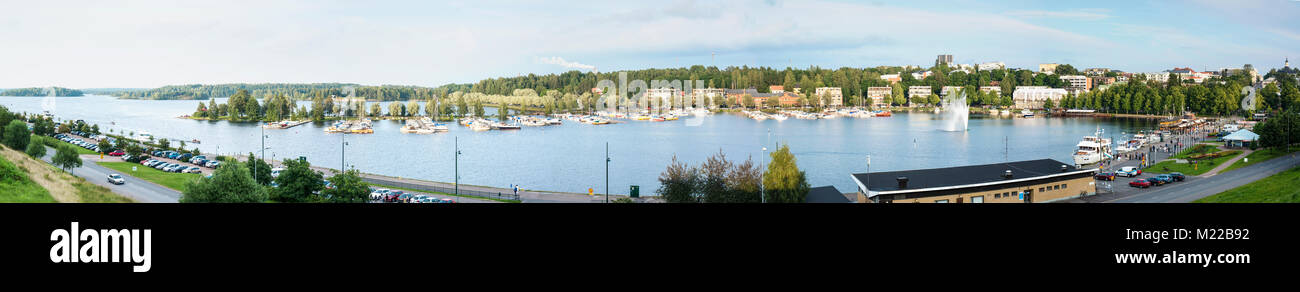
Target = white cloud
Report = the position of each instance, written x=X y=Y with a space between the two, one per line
x=566 y=64
x=1081 y=14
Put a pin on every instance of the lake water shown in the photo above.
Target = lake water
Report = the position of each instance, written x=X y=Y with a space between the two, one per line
x=570 y=157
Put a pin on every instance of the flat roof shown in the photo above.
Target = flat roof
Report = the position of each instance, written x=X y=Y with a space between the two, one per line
x=826 y=194
x=961 y=175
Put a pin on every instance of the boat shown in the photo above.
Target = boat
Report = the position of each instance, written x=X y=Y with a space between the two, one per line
x=1026 y=113
x=479 y=127
x=884 y=114
x=779 y=117
x=1092 y=149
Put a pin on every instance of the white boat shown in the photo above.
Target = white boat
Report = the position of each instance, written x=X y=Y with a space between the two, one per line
x=1092 y=149
x=1026 y=113
x=779 y=117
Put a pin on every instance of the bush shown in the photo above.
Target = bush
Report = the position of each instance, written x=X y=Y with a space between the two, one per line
x=36 y=150
x=16 y=135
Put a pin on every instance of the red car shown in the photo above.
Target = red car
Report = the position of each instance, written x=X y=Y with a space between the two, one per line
x=1140 y=183
x=1105 y=176
x=117 y=153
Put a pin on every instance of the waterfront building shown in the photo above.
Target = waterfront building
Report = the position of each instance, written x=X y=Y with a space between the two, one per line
x=1077 y=82
x=915 y=92
x=835 y=94
x=663 y=97
x=1031 y=181
x=1033 y=97
x=1048 y=68
x=991 y=66
x=737 y=97
x=707 y=94
x=880 y=96
x=944 y=59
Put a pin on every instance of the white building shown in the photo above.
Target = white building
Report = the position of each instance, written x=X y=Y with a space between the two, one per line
x=915 y=92
x=1048 y=68
x=707 y=95
x=880 y=96
x=987 y=89
x=835 y=94
x=1033 y=97
x=992 y=66
x=1077 y=82
x=948 y=90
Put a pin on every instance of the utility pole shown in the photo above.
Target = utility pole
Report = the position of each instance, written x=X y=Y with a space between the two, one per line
x=606 y=172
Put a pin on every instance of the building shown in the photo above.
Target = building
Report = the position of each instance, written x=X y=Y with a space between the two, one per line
x=826 y=194
x=662 y=97
x=737 y=97
x=944 y=59
x=707 y=95
x=1246 y=70
x=892 y=78
x=921 y=75
x=1048 y=68
x=915 y=92
x=776 y=89
x=948 y=90
x=1240 y=138
x=991 y=66
x=1077 y=82
x=1096 y=71
x=1033 y=97
x=835 y=94
x=1101 y=80
x=880 y=96
x=1032 y=181
x=987 y=89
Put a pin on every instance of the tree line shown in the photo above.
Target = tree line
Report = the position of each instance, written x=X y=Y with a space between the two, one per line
x=41 y=91
x=719 y=180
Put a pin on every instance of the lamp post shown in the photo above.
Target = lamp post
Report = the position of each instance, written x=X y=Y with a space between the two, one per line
x=343 y=146
x=457 y=164
x=607 y=172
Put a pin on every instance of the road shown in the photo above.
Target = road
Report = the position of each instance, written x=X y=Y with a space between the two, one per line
x=138 y=189
x=1199 y=187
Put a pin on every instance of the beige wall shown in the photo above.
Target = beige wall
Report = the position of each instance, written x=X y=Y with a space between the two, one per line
x=1071 y=188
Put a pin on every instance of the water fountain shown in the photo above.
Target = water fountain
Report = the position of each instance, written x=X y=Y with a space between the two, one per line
x=957 y=113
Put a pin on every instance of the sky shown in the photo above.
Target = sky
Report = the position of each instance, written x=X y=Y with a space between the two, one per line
x=142 y=44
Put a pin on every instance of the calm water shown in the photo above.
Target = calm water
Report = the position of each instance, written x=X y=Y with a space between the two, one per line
x=570 y=157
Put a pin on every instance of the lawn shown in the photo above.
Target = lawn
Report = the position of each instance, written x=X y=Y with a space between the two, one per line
x=443 y=194
x=1196 y=150
x=1189 y=169
x=171 y=180
x=1259 y=156
x=1283 y=187
x=16 y=187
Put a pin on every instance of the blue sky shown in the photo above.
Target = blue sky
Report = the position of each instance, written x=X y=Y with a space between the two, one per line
x=145 y=43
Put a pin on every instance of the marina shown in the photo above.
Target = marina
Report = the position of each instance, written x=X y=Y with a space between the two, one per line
x=284 y=124
x=423 y=125
x=362 y=126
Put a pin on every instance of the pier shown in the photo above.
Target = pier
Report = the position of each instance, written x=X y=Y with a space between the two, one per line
x=283 y=124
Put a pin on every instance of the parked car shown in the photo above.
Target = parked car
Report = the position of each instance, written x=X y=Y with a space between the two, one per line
x=392 y=196
x=1139 y=183
x=116 y=179
x=1104 y=176
x=1129 y=171
x=378 y=194
x=1162 y=179
x=446 y=201
x=117 y=153
x=193 y=169
x=1178 y=176
x=185 y=157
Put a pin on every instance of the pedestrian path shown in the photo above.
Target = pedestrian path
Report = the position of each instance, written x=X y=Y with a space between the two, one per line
x=1228 y=163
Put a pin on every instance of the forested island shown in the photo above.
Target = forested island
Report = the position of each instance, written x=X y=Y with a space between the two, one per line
x=296 y=91
x=41 y=91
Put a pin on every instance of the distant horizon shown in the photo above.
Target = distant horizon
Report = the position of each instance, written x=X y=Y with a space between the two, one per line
x=154 y=43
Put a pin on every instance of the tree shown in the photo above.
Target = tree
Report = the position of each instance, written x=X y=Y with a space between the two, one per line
x=412 y=108
x=712 y=181
x=66 y=157
x=230 y=183
x=260 y=170
x=348 y=188
x=896 y=91
x=105 y=146
x=784 y=182
x=503 y=112
x=743 y=183
x=677 y=183
x=376 y=110
x=1048 y=104
x=16 y=135
x=164 y=144
x=747 y=101
x=36 y=149
x=297 y=182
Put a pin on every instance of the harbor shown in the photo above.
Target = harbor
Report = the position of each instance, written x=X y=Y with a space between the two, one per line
x=423 y=125
x=362 y=126
x=284 y=124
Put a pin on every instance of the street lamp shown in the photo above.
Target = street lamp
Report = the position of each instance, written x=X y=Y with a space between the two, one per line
x=457 y=164
x=607 y=172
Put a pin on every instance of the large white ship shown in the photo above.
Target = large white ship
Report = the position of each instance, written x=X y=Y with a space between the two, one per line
x=1092 y=149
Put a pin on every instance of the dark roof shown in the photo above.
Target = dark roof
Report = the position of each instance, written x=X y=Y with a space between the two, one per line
x=961 y=175
x=826 y=194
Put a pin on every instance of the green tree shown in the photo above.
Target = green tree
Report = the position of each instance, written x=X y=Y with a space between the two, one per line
x=784 y=182
x=677 y=183
x=36 y=149
x=376 y=110
x=105 y=146
x=230 y=183
x=1048 y=104
x=164 y=144
x=348 y=188
x=503 y=112
x=259 y=169
x=896 y=91
x=66 y=157
x=712 y=182
x=297 y=182
x=16 y=135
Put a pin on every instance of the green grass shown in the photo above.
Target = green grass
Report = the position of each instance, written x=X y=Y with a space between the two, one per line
x=1196 y=150
x=443 y=194
x=171 y=180
x=1260 y=156
x=1283 y=187
x=1202 y=166
x=93 y=193
x=16 y=187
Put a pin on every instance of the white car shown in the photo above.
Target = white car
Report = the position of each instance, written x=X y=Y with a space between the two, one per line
x=378 y=194
x=116 y=179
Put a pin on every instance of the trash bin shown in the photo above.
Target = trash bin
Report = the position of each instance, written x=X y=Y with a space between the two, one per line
x=634 y=192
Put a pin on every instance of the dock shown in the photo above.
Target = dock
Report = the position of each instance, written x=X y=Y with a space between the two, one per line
x=351 y=127
x=423 y=125
x=283 y=124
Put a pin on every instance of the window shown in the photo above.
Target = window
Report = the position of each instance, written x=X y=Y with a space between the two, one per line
x=977 y=199
x=1040 y=190
x=941 y=201
x=1063 y=186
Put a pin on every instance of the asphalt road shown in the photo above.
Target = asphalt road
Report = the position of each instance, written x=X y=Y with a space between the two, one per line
x=138 y=189
x=1199 y=187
